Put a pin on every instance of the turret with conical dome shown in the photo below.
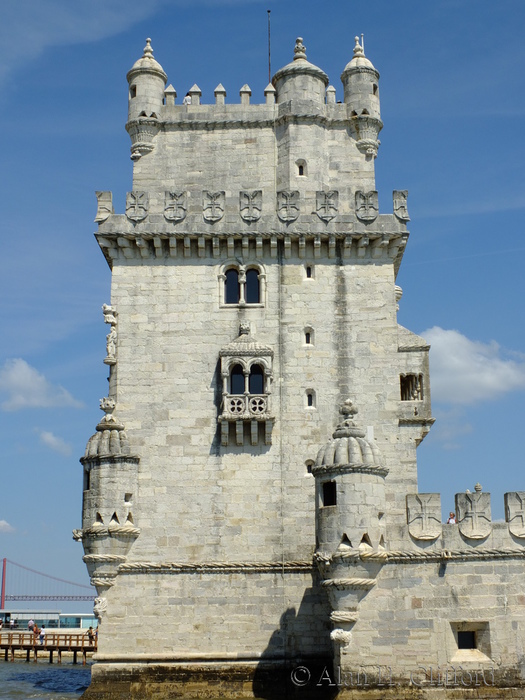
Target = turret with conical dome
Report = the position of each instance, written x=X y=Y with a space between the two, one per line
x=147 y=81
x=300 y=79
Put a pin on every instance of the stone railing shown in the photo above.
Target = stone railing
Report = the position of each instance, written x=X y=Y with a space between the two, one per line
x=245 y=407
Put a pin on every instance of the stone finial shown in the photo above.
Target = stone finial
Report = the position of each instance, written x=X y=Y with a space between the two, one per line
x=107 y=404
x=195 y=94
x=358 y=49
x=245 y=93
x=170 y=94
x=478 y=488
x=299 y=50
x=244 y=328
x=220 y=94
x=330 y=95
x=148 y=51
x=270 y=93
x=348 y=410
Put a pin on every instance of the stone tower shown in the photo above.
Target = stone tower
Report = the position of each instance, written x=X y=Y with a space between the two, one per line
x=253 y=309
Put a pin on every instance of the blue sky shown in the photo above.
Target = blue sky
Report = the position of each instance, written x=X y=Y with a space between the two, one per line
x=453 y=107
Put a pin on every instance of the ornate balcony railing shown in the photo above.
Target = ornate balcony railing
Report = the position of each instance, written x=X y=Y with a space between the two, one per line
x=245 y=407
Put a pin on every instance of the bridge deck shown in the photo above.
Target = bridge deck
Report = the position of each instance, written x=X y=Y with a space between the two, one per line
x=59 y=642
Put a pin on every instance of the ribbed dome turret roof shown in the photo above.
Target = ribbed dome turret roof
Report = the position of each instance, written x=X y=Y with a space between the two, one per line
x=359 y=59
x=348 y=445
x=300 y=65
x=110 y=440
x=147 y=64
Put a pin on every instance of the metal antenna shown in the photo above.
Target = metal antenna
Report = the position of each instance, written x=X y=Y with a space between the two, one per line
x=269 y=51
x=363 y=42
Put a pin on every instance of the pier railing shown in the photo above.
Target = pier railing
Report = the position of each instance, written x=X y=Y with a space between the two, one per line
x=12 y=641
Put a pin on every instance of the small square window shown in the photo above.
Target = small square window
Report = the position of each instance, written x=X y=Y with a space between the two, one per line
x=329 y=493
x=467 y=639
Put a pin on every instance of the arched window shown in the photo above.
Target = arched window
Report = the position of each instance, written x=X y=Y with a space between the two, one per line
x=237 y=380
x=232 y=289
x=253 y=295
x=256 y=380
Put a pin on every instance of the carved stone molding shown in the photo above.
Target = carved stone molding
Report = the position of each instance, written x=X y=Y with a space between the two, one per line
x=145 y=567
x=424 y=515
x=250 y=205
x=288 y=205
x=175 y=205
x=213 y=205
x=137 y=205
x=366 y=205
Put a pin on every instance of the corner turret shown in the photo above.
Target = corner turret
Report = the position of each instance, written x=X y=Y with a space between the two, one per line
x=361 y=93
x=300 y=79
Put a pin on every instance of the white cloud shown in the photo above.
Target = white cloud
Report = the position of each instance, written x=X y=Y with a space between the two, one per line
x=27 y=388
x=465 y=371
x=5 y=527
x=450 y=427
x=54 y=443
x=29 y=27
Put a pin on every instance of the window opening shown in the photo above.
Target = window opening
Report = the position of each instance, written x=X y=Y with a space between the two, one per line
x=308 y=338
x=232 y=288
x=309 y=464
x=253 y=295
x=256 y=380
x=87 y=479
x=329 y=493
x=133 y=91
x=301 y=170
x=411 y=387
x=237 y=380
x=309 y=272
x=309 y=399
x=374 y=89
x=467 y=639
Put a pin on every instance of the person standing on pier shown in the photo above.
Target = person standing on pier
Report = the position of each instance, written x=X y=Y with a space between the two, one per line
x=42 y=635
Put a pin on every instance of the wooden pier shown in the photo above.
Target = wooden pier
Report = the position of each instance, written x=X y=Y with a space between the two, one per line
x=54 y=642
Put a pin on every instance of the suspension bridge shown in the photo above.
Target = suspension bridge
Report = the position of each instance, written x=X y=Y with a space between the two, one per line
x=21 y=583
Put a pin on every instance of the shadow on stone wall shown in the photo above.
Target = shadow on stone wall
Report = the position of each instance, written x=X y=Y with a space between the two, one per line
x=286 y=671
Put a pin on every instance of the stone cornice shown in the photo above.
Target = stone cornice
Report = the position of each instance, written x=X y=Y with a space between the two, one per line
x=336 y=469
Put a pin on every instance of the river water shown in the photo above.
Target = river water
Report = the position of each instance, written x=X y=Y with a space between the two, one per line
x=42 y=681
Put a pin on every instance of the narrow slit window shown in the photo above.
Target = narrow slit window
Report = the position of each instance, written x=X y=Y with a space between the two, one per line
x=87 y=479
x=308 y=338
x=133 y=91
x=301 y=170
x=253 y=294
x=309 y=399
x=329 y=493
x=237 y=380
x=309 y=272
x=232 y=288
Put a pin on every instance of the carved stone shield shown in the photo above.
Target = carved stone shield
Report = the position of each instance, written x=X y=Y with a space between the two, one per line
x=104 y=206
x=250 y=205
x=424 y=515
x=473 y=514
x=137 y=204
x=515 y=512
x=213 y=205
x=288 y=205
x=175 y=206
x=326 y=204
x=366 y=205
x=400 y=204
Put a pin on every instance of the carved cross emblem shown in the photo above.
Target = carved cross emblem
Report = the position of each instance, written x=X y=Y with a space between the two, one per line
x=137 y=204
x=288 y=205
x=104 y=206
x=366 y=205
x=175 y=206
x=424 y=515
x=250 y=204
x=326 y=204
x=400 y=204
x=473 y=511
x=213 y=205
x=515 y=512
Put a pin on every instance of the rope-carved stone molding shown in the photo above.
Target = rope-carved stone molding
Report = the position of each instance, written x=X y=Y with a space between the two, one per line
x=342 y=583
x=398 y=557
x=196 y=124
x=100 y=582
x=101 y=558
x=344 y=616
x=349 y=469
x=145 y=567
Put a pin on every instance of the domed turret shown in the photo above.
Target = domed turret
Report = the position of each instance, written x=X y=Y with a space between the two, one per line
x=300 y=79
x=350 y=489
x=147 y=81
x=360 y=80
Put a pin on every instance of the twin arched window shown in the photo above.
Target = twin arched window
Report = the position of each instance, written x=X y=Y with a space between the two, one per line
x=242 y=286
x=253 y=383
